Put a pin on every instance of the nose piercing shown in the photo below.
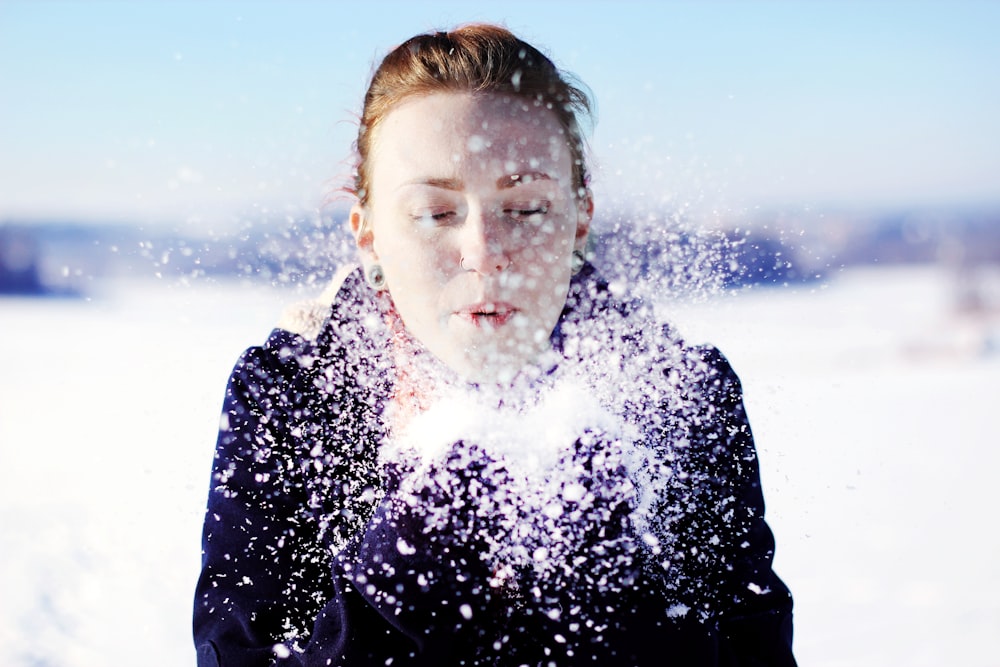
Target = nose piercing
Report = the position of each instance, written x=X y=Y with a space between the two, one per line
x=500 y=267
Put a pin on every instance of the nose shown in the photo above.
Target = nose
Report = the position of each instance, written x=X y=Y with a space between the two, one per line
x=483 y=243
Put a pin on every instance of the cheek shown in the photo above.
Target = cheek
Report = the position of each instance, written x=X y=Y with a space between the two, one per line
x=546 y=244
x=413 y=259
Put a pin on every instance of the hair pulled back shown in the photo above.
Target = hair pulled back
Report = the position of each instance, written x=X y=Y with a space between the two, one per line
x=477 y=58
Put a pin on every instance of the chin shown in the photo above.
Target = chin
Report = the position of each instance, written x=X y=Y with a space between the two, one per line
x=494 y=374
x=495 y=367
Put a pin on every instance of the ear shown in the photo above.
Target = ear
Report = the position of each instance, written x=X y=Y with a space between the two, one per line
x=361 y=228
x=584 y=215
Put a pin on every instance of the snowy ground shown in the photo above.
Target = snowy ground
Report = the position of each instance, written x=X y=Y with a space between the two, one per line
x=872 y=402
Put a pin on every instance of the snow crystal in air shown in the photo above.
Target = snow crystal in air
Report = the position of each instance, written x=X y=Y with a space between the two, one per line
x=678 y=611
x=476 y=144
x=404 y=548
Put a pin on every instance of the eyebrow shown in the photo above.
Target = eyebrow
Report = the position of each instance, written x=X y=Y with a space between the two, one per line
x=444 y=183
x=505 y=182
x=510 y=180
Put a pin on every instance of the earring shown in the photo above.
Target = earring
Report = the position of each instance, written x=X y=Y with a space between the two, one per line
x=376 y=276
x=577 y=262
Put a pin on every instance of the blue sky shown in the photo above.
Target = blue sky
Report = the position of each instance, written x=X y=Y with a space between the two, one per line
x=198 y=112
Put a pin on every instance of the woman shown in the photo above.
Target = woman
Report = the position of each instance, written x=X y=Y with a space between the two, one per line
x=474 y=453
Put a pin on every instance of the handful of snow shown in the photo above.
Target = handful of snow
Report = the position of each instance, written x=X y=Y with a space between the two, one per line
x=530 y=432
x=545 y=480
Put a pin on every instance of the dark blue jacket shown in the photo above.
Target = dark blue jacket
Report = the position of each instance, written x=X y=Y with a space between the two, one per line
x=301 y=561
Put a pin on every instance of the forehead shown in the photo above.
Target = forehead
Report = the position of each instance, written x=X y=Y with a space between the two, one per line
x=447 y=133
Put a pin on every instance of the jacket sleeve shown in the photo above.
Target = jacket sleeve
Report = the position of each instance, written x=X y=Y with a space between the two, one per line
x=753 y=607
x=264 y=573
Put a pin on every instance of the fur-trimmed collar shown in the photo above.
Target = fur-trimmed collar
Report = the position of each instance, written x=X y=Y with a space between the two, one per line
x=306 y=318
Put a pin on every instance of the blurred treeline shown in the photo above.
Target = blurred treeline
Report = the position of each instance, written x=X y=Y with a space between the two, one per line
x=65 y=258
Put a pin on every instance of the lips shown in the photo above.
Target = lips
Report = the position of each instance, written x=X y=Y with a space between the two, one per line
x=487 y=314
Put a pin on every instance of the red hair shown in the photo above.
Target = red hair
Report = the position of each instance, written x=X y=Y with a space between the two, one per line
x=478 y=58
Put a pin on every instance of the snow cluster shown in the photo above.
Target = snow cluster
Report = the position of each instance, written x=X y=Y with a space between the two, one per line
x=543 y=481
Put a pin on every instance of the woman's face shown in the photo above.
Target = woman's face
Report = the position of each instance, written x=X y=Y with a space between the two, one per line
x=472 y=215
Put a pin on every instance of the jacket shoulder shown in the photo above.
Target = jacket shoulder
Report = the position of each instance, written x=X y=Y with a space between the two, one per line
x=306 y=332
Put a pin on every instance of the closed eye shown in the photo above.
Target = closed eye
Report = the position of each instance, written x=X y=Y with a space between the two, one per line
x=433 y=217
x=529 y=211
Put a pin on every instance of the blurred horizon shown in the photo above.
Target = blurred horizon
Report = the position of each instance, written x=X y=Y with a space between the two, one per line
x=188 y=115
